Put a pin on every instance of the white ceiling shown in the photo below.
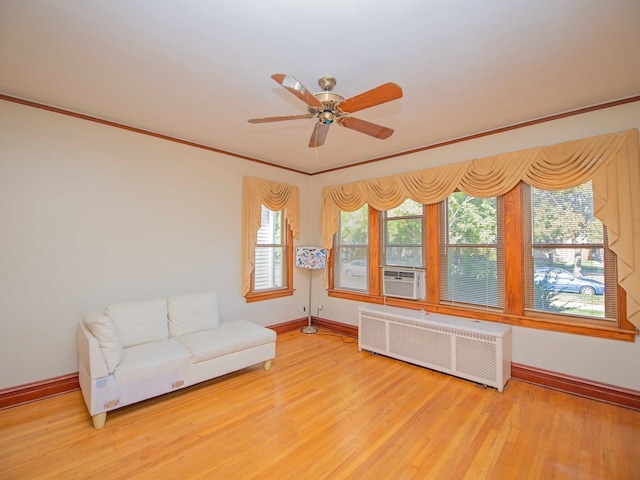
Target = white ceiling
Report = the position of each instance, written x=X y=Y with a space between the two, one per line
x=197 y=70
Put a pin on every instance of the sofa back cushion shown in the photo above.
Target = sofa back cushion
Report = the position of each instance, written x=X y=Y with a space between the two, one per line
x=106 y=333
x=140 y=322
x=192 y=312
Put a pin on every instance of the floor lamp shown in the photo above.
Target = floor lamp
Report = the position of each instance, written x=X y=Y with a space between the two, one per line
x=312 y=258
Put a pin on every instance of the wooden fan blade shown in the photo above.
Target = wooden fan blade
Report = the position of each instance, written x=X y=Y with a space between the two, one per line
x=279 y=119
x=368 y=128
x=376 y=96
x=319 y=134
x=295 y=87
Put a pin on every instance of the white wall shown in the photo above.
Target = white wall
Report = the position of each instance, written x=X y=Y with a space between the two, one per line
x=92 y=215
x=607 y=361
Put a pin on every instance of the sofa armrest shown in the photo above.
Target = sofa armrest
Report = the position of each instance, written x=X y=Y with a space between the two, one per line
x=89 y=353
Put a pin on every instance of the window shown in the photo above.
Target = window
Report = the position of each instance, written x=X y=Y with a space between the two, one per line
x=402 y=235
x=494 y=259
x=270 y=255
x=272 y=275
x=471 y=251
x=351 y=251
x=491 y=259
x=270 y=219
x=569 y=269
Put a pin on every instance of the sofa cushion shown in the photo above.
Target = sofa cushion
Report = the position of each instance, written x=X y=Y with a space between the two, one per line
x=140 y=322
x=230 y=337
x=143 y=362
x=193 y=312
x=105 y=332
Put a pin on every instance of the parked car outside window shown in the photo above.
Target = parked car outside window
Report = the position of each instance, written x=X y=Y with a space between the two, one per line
x=356 y=268
x=559 y=280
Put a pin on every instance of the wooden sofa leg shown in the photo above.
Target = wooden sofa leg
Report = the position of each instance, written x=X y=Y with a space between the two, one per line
x=267 y=365
x=99 y=420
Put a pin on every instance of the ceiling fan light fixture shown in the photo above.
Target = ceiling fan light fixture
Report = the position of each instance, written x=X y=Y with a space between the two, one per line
x=326 y=117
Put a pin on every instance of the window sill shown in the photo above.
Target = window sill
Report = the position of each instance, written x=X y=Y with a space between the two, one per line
x=576 y=328
x=268 y=295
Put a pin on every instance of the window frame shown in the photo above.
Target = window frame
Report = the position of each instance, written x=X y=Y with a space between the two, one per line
x=287 y=265
x=384 y=237
x=611 y=294
x=513 y=279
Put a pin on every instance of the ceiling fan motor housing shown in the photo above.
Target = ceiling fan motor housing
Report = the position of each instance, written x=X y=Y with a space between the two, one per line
x=329 y=101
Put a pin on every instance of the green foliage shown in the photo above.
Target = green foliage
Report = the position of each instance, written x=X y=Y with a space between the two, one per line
x=543 y=299
x=406 y=209
x=354 y=227
x=403 y=234
x=565 y=216
x=404 y=224
x=471 y=220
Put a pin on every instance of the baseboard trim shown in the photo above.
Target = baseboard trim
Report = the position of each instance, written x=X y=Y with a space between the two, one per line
x=337 y=327
x=291 y=325
x=343 y=328
x=602 y=392
x=619 y=396
x=11 y=397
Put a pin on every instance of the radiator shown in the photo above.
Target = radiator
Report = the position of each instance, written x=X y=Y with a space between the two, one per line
x=472 y=349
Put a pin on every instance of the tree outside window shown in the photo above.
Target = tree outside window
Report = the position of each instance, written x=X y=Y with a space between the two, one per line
x=471 y=251
x=403 y=234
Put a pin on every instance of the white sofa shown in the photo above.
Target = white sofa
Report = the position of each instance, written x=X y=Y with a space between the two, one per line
x=138 y=350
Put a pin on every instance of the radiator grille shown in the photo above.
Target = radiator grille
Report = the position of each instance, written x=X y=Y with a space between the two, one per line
x=373 y=333
x=465 y=353
x=423 y=345
x=476 y=358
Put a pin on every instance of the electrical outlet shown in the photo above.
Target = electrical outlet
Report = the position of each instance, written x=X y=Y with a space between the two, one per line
x=320 y=307
x=302 y=309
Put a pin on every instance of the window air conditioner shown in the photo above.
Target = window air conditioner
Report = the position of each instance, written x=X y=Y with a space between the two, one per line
x=402 y=283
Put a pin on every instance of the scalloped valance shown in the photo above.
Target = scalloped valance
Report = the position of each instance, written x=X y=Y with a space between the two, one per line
x=611 y=162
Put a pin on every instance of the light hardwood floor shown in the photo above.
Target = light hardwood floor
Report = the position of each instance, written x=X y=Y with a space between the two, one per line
x=325 y=410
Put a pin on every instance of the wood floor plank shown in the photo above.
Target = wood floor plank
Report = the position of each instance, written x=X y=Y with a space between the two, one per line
x=327 y=411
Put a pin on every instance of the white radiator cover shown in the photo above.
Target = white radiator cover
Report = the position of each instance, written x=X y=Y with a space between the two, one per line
x=476 y=350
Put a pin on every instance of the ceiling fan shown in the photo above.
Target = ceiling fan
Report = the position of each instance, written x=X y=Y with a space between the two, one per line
x=329 y=107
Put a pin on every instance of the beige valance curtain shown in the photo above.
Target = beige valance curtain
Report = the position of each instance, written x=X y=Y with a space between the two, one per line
x=273 y=195
x=611 y=161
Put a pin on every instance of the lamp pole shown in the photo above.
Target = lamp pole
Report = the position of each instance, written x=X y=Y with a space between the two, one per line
x=309 y=328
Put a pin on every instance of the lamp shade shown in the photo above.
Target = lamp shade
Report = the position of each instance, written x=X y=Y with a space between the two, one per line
x=311 y=257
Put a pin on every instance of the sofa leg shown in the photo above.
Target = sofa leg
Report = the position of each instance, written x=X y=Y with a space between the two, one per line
x=99 y=420
x=267 y=365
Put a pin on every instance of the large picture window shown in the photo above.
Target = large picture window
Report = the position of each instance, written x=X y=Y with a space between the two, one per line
x=531 y=253
x=540 y=238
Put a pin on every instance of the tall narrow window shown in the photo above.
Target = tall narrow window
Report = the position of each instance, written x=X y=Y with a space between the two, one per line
x=402 y=234
x=351 y=251
x=271 y=252
x=471 y=256
x=569 y=268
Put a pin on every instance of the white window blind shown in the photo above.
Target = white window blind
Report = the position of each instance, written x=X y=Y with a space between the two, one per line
x=471 y=253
